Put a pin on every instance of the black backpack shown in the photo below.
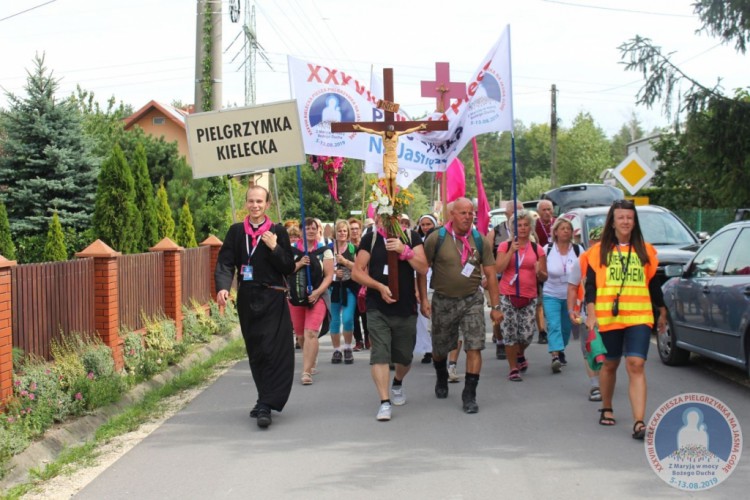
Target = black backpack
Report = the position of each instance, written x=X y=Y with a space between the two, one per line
x=576 y=249
x=298 y=280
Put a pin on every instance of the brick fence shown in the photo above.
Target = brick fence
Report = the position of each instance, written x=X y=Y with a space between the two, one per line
x=107 y=317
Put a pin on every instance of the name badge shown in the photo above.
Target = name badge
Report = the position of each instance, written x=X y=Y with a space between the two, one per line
x=385 y=270
x=467 y=270
x=247 y=273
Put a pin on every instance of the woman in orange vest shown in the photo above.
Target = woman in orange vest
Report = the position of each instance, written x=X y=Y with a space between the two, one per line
x=620 y=292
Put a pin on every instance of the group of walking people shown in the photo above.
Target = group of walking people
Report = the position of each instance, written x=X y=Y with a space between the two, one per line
x=462 y=269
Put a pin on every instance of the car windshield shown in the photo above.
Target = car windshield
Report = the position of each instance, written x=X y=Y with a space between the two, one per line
x=662 y=228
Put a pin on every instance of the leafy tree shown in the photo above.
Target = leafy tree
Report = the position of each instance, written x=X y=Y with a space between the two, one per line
x=164 y=220
x=716 y=126
x=532 y=188
x=533 y=152
x=7 y=248
x=55 y=249
x=583 y=151
x=144 y=200
x=114 y=211
x=185 y=229
x=629 y=132
x=46 y=159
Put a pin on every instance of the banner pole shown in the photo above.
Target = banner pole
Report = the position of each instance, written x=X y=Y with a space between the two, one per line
x=302 y=226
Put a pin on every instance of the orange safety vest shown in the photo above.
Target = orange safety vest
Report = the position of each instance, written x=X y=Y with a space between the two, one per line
x=635 y=302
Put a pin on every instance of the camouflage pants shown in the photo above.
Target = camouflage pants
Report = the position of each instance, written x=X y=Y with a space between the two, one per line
x=449 y=315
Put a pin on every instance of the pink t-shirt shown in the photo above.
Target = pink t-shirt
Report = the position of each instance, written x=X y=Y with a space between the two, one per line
x=527 y=276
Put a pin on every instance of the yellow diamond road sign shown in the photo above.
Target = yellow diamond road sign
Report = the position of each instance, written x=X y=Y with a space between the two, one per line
x=633 y=173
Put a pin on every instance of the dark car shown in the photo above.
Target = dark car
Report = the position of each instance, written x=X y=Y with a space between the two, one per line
x=708 y=303
x=567 y=198
x=675 y=243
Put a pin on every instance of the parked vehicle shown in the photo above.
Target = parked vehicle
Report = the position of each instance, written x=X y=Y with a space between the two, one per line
x=675 y=243
x=566 y=198
x=708 y=302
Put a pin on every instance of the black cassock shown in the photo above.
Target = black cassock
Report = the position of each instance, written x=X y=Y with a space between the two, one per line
x=263 y=310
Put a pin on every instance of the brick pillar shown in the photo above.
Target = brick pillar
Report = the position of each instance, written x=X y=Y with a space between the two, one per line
x=106 y=296
x=215 y=244
x=172 y=281
x=6 y=330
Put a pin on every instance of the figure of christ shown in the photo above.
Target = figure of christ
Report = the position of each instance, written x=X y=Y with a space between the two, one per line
x=390 y=152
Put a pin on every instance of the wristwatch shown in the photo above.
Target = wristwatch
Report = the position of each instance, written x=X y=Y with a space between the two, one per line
x=496 y=308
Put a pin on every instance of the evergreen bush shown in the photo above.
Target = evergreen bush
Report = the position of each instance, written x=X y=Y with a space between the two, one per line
x=115 y=211
x=55 y=249
x=186 y=229
x=7 y=248
x=164 y=220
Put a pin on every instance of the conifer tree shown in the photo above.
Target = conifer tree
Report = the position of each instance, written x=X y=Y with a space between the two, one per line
x=55 y=249
x=46 y=158
x=7 y=248
x=164 y=220
x=144 y=200
x=114 y=211
x=186 y=229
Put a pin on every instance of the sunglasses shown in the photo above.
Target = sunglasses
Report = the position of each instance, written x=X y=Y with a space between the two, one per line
x=623 y=204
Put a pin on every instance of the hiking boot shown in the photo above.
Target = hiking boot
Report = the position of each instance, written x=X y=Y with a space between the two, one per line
x=427 y=359
x=441 y=389
x=398 y=398
x=337 y=357
x=348 y=357
x=384 y=412
x=542 y=337
x=469 y=397
x=264 y=417
x=563 y=361
x=254 y=411
x=556 y=365
x=358 y=347
x=452 y=375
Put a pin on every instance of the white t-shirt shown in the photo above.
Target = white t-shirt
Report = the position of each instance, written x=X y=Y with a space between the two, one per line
x=574 y=274
x=558 y=269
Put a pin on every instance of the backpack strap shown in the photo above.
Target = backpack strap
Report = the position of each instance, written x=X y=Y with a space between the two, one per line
x=576 y=248
x=478 y=242
x=441 y=238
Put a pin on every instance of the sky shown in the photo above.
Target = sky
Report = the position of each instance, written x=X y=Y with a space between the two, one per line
x=139 y=50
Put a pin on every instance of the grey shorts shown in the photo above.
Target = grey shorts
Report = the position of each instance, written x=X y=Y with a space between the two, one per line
x=518 y=325
x=392 y=338
x=451 y=315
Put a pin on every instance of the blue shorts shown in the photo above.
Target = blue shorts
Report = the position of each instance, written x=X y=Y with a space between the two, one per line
x=630 y=341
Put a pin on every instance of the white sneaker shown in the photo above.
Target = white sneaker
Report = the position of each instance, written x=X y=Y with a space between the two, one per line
x=384 y=412
x=452 y=375
x=398 y=397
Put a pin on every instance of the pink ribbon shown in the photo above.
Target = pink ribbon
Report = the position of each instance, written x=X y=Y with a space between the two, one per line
x=463 y=239
x=257 y=234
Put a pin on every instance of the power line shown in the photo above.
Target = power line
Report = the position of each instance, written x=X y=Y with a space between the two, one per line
x=615 y=9
x=28 y=10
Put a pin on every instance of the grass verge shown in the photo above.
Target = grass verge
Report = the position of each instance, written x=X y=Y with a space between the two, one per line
x=150 y=407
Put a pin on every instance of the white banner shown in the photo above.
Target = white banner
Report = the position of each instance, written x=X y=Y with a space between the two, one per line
x=326 y=95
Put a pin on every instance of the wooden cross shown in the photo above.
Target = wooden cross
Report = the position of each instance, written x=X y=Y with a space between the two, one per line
x=389 y=129
x=442 y=88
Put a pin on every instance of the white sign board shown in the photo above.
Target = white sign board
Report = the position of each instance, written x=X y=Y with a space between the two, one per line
x=239 y=140
x=633 y=173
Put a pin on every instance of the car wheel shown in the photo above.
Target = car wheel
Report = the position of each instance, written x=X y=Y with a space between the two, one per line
x=669 y=353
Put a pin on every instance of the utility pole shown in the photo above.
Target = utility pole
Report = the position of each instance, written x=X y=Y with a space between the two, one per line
x=553 y=138
x=214 y=42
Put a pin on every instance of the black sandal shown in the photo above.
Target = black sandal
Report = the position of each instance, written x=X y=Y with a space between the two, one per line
x=639 y=429
x=608 y=421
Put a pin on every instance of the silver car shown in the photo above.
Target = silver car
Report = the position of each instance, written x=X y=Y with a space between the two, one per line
x=708 y=302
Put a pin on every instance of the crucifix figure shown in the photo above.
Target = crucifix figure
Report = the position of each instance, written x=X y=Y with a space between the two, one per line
x=390 y=130
x=443 y=88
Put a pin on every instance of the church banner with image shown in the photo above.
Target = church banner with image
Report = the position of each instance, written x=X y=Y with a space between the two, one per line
x=330 y=94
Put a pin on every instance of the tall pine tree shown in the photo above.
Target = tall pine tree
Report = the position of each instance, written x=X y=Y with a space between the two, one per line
x=7 y=248
x=46 y=158
x=144 y=200
x=114 y=211
x=186 y=229
x=164 y=220
x=55 y=249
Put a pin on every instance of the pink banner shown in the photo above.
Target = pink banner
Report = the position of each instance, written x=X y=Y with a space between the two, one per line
x=483 y=206
x=456 y=178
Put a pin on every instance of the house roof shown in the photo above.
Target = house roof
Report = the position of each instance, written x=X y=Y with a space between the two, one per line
x=174 y=114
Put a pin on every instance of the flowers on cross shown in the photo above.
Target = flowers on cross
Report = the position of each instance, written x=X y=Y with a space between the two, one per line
x=390 y=210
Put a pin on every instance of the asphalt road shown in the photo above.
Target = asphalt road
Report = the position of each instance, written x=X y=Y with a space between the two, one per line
x=535 y=439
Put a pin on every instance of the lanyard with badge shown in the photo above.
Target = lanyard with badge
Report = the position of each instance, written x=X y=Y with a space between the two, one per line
x=468 y=268
x=247 y=270
x=520 y=264
x=624 y=265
